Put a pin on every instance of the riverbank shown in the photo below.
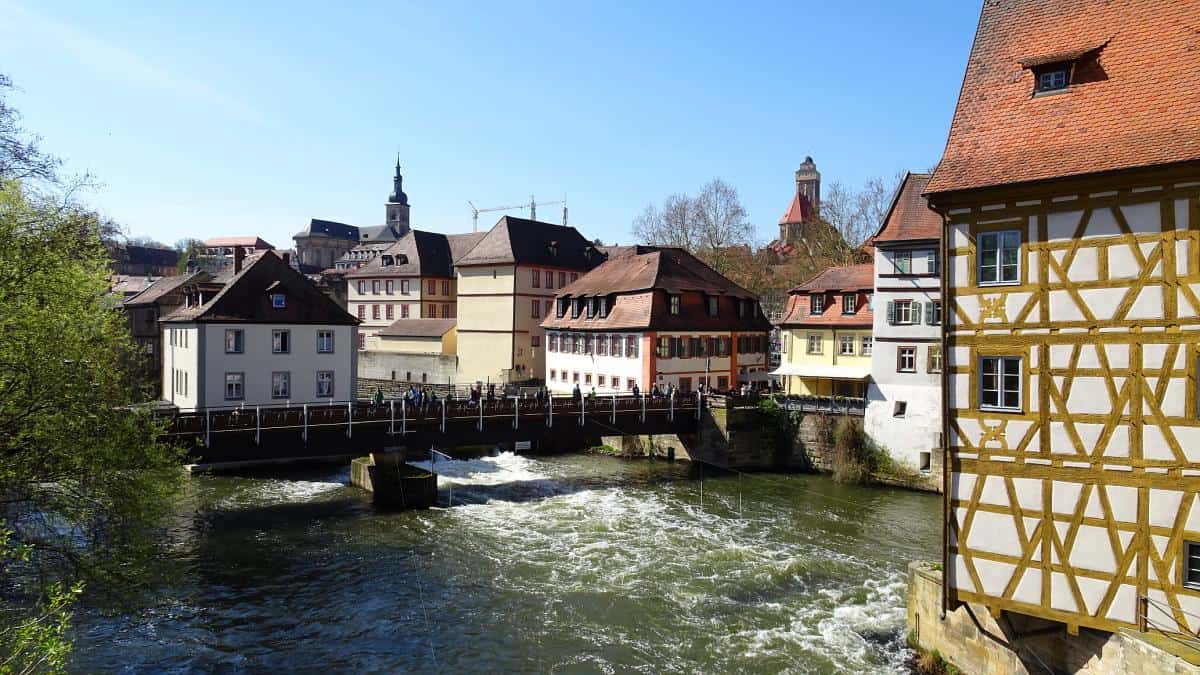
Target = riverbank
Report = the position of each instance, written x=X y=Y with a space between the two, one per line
x=542 y=564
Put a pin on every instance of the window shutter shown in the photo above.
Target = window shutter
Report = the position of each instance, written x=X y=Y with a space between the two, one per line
x=929 y=313
x=914 y=316
x=891 y=313
x=931 y=261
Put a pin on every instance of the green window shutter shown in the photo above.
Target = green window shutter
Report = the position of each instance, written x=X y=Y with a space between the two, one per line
x=929 y=313
x=931 y=261
x=891 y=313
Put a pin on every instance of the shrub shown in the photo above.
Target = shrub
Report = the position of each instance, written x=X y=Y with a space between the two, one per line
x=855 y=457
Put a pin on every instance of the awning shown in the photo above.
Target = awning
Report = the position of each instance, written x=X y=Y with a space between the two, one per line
x=827 y=371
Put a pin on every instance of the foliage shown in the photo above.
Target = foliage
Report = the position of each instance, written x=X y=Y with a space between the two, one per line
x=84 y=482
x=855 y=456
x=190 y=254
x=779 y=425
x=857 y=214
x=933 y=663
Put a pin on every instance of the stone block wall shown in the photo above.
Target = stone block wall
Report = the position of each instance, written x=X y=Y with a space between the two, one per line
x=976 y=642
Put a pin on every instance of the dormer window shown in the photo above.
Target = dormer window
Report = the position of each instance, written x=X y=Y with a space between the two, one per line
x=816 y=303
x=562 y=307
x=676 y=302
x=712 y=305
x=386 y=261
x=278 y=300
x=1054 y=77
x=604 y=308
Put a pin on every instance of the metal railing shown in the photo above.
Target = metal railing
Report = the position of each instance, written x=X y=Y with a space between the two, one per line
x=1172 y=627
x=839 y=405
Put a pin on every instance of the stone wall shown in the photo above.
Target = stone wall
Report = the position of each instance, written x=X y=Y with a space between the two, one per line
x=424 y=368
x=975 y=642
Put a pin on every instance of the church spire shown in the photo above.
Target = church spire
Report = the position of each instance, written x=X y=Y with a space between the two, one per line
x=398 y=196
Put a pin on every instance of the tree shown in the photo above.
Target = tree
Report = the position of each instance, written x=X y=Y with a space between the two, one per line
x=713 y=225
x=857 y=215
x=84 y=480
x=190 y=253
x=20 y=156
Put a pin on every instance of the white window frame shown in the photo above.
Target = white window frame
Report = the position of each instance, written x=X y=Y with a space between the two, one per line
x=816 y=303
x=867 y=345
x=908 y=311
x=241 y=386
x=328 y=374
x=1001 y=390
x=284 y=392
x=820 y=342
x=277 y=346
x=845 y=341
x=849 y=303
x=980 y=264
x=240 y=340
x=675 y=304
x=934 y=352
x=278 y=301
x=906 y=256
x=322 y=334
x=900 y=359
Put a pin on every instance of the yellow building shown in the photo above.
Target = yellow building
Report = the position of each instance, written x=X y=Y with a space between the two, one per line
x=1070 y=193
x=825 y=334
x=506 y=286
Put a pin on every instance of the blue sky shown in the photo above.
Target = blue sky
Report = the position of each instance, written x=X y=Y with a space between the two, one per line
x=205 y=119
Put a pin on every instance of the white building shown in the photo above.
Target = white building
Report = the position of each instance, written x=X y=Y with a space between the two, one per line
x=904 y=396
x=268 y=337
x=654 y=316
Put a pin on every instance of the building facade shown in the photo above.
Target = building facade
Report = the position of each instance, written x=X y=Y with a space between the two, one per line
x=267 y=337
x=904 y=394
x=1070 y=193
x=419 y=351
x=826 y=339
x=142 y=312
x=652 y=316
x=323 y=243
x=506 y=287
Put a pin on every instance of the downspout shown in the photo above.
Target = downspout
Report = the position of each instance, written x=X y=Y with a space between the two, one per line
x=947 y=466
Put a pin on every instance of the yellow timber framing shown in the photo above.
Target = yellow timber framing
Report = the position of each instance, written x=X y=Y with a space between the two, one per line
x=1147 y=557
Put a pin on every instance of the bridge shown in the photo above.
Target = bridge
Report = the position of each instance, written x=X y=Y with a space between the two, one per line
x=263 y=433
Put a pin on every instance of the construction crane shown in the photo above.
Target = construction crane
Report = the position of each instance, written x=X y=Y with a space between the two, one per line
x=532 y=206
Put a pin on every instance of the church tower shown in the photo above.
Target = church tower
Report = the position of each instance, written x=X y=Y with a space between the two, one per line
x=806 y=202
x=397 y=205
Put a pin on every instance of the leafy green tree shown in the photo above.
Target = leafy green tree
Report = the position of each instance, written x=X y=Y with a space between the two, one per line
x=84 y=481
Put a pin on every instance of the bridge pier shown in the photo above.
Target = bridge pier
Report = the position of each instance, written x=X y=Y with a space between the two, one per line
x=392 y=481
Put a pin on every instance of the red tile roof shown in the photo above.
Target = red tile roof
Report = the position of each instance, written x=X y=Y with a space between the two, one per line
x=797 y=313
x=909 y=217
x=799 y=211
x=256 y=242
x=844 y=278
x=1134 y=98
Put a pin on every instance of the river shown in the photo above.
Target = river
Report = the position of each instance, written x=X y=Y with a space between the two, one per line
x=567 y=564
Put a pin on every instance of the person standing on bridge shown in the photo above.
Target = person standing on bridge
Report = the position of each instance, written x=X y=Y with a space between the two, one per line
x=636 y=392
x=576 y=393
x=378 y=400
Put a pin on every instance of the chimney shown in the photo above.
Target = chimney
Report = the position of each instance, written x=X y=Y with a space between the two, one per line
x=287 y=258
x=238 y=254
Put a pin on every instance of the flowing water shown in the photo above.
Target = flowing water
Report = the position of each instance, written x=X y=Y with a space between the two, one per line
x=566 y=564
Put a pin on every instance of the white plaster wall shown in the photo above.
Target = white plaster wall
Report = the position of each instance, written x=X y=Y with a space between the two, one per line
x=186 y=359
x=904 y=438
x=258 y=362
x=620 y=366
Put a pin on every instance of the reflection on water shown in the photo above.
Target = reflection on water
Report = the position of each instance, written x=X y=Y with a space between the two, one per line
x=568 y=564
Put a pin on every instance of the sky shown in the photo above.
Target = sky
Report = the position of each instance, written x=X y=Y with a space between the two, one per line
x=239 y=118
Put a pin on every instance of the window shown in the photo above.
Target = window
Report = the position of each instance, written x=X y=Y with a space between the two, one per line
x=281 y=341
x=324 y=384
x=553 y=374
x=374 y=287
x=602 y=345
x=722 y=383
x=1191 y=564
x=712 y=305
x=389 y=287
x=816 y=303
x=685 y=384
x=535 y=340
x=906 y=360
x=278 y=300
x=931 y=262
x=868 y=345
x=562 y=279
x=935 y=359
x=902 y=261
x=631 y=347
x=925 y=462
x=445 y=287
x=615 y=382
x=235 y=389
x=814 y=343
x=324 y=342
x=375 y=312
x=536 y=306
x=847 y=345
x=389 y=311
x=587 y=378
x=547 y=305
x=675 y=304
x=1053 y=79
x=603 y=307
x=900 y=409
x=235 y=340
x=362 y=311
x=362 y=341
x=535 y=277
x=900 y=312
x=404 y=287
x=741 y=305
x=574 y=277
x=999 y=258
x=281 y=384
x=445 y=311
x=601 y=380
x=362 y=287
x=849 y=303
x=1000 y=383
x=431 y=287
x=933 y=313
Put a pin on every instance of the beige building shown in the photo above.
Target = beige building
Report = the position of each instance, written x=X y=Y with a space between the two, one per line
x=420 y=351
x=506 y=286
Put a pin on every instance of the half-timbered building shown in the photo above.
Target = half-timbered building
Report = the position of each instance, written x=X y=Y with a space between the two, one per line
x=1070 y=194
